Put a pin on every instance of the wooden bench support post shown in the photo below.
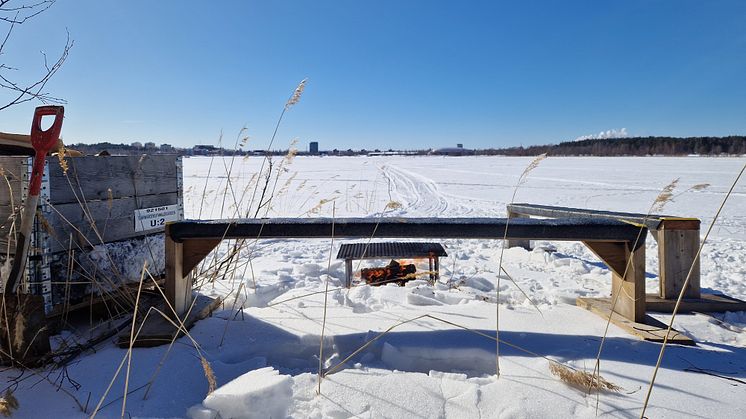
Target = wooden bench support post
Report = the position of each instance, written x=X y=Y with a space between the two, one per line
x=627 y=267
x=526 y=244
x=678 y=242
x=176 y=283
x=181 y=258
x=348 y=273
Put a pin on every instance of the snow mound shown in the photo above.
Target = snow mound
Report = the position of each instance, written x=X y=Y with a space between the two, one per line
x=261 y=393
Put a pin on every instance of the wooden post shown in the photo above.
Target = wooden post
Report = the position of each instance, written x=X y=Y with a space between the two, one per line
x=181 y=258
x=348 y=273
x=526 y=244
x=437 y=268
x=678 y=242
x=178 y=286
x=627 y=267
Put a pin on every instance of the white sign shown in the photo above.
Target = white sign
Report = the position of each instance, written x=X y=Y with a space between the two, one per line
x=156 y=217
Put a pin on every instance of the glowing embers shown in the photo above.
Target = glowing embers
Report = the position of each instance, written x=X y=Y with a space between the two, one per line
x=394 y=272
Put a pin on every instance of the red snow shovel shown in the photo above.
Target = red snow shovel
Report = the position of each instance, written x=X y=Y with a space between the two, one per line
x=43 y=142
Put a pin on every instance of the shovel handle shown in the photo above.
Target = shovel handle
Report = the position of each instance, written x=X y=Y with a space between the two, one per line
x=43 y=141
x=48 y=138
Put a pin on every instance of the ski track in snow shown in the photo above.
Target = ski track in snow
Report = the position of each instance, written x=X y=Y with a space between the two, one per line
x=419 y=194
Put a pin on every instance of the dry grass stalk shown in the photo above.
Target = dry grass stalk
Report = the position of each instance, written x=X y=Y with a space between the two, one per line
x=61 y=157
x=521 y=180
x=581 y=379
x=683 y=289
x=326 y=300
x=531 y=166
x=700 y=186
x=295 y=98
x=394 y=205
x=664 y=197
x=132 y=336
x=209 y=374
x=109 y=199
x=8 y=404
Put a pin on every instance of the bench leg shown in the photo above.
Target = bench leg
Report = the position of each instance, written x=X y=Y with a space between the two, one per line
x=178 y=285
x=678 y=242
x=181 y=258
x=526 y=244
x=627 y=282
x=348 y=273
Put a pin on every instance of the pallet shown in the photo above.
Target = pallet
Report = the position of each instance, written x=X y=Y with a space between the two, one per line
x=708 y=303
x=652 y=330
x=159 y=331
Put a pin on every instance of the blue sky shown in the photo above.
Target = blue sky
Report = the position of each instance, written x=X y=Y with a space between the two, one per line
x=400 y=74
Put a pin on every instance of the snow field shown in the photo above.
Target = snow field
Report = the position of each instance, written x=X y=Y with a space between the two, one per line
x=263 y=343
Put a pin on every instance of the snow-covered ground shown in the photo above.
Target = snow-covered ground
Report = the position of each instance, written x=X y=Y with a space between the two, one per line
x=263 y=344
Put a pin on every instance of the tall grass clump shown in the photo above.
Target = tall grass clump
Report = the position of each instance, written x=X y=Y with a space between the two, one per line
x=521 y=180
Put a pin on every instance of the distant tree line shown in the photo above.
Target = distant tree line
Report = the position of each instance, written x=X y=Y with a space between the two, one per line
x=633 y=146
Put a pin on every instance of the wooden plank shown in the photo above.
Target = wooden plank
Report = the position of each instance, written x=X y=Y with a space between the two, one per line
x=565 y=229
x=526 y=244
x=677 y=223
x=178 y=288
x=90 y=177
x=195 y=250
x=648 y=328
x=651 y=221
x=159 y=331
x=627 y=276
x=677 y=251
x=11 y=180
x=115 y=220
x=20 y=144
x=708 y=303
x=11 y=195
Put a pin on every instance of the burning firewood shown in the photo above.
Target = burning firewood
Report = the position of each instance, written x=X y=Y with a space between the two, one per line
x=393 y=272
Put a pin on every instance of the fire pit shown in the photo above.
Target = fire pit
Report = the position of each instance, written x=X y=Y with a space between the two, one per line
x=393 y=272
x=396 y=271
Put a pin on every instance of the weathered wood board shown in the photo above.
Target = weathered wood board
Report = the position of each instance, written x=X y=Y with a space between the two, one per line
x=91 y=177
x=707 y=303
x=99 y=221
x=88 y=209
x=649 y=329
x=159 y=331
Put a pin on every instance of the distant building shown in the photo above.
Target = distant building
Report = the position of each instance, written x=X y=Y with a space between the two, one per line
x=136 y=144
x=459 y=150
x=149 y=145
x=204 y=150
x=313 y=147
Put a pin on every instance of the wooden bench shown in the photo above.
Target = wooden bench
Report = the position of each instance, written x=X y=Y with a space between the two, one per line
x=678 y=243
x=677 y=237
x=188 y=242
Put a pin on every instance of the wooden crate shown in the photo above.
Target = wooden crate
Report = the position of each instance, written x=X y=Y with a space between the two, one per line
x=97 y=221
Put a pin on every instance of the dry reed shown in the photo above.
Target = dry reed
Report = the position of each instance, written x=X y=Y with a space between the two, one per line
x=683 y=290
x=521 y=180
x=581 y=379
x=8 y=404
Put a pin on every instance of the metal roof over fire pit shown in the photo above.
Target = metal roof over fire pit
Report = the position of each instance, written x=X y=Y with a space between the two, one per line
x=390 y=250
